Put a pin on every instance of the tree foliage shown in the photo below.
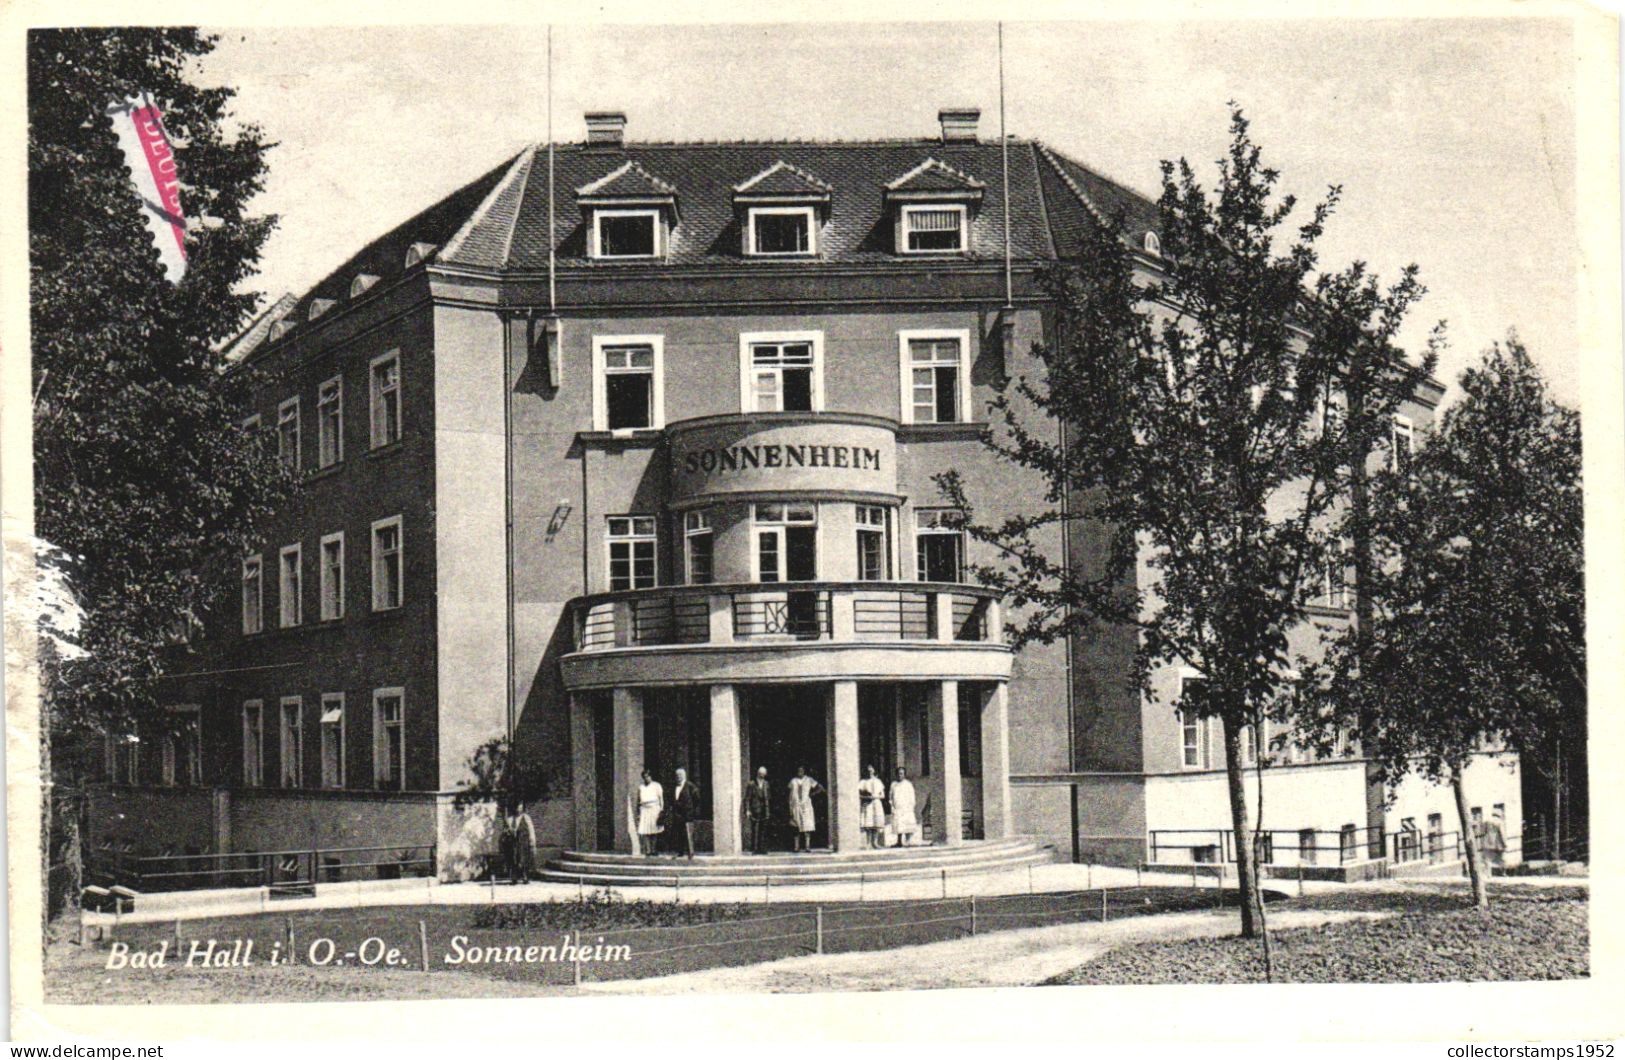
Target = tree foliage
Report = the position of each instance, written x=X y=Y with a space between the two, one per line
x=142 y=475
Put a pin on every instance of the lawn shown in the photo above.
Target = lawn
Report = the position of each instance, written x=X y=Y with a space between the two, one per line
x=1525 y=935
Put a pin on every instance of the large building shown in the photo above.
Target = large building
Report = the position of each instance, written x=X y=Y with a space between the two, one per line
x=627 y=451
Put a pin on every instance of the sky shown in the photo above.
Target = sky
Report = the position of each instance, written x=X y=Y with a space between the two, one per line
x=1453 y=139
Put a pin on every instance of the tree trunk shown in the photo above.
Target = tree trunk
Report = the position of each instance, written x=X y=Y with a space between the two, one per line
x=1469 y=842
x=1559 y=804
x=1252 y=923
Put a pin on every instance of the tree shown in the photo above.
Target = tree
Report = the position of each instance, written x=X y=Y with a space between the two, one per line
x=141 y=474
x=1476 y=593
x=1188 y=405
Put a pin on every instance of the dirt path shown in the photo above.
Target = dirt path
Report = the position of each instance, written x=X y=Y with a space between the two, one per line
x=1006 y=958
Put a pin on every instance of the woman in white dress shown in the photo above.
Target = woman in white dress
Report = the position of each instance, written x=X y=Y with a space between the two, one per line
x=871 y=808
x=651 y=800
x=802 y=818
x=904 y=822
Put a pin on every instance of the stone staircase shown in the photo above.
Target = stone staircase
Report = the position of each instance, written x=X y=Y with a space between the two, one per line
x=973 y=857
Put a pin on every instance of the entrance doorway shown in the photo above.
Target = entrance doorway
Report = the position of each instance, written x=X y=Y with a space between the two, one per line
x=788 y=728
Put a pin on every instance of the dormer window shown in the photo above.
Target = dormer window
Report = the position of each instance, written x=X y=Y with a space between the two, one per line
x=418 y=253
x=934 y=229
x=280 y=328
x=630 y=214
x=319 y=306
x=627 y=234
x=1153 y=245
x=782 y=231
x=359 y=285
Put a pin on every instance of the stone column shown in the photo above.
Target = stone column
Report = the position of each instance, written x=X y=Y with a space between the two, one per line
x=947 y=799
x=726 y=790
x=843 y=782
x=583 y=772
x=628 y=710
x=996 y=762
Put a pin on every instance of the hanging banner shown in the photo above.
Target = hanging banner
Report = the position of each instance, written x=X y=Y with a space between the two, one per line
x=151 y=162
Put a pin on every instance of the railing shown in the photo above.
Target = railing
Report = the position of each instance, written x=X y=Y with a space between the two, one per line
x=792 y=611
x=1409 y=845
x=291 y=869
x=1276 y=846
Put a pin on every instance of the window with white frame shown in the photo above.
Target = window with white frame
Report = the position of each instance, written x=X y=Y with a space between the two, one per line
x=939 y=545
x=1402 y=444
x=389 y=739
x=628 y=388
x=786 y=541
x=697 y=548
x=631 y=545
x=331 y=576
x=291 y=586
x=782 y=372
x=287 y=433
x=293 y=742
x=384 y=398
x=782 y=231
x=1192 y=726
x=935 y=372
x=935 y=229
x=1334 y=586
x=627 y=234
x=874 y=557
x=183 y=747
x=388 y=574
x=253 y=743
x=330 y=422
x=332 y=730
x=253 y=594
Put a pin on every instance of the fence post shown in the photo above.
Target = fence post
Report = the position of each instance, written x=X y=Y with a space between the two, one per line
x=177 y=935
x=819 y=932
x=1137 y=880
x=287 y=925
x=423 y=942
x=1193 y=875
x=862 y=878
x=1030 y=877
x=973 y=915
x=676 y=890
x=1089 y=879
x=767 y=889
x=945 y=883
x=1103 y=905
x=581 y=889
x=576 y=958
x=1300 y=879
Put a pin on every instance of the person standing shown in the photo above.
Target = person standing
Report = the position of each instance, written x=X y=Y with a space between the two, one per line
x=757 y=798
x=871 y=808
x=685 y=806
x=803 y=820
x=904 y=821
x=651 y=801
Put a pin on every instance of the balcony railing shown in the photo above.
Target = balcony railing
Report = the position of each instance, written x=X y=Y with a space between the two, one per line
x=787 y=612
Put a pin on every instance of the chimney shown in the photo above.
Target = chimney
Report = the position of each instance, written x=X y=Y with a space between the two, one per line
x=606 y=128
x=959 y=124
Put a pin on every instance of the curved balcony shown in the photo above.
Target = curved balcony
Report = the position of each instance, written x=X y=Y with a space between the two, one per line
x=789 y=631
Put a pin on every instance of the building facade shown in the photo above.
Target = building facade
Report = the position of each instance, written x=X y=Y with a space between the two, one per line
x=626 y=454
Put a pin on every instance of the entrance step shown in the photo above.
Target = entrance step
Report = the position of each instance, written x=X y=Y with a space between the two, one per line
x=600 y=868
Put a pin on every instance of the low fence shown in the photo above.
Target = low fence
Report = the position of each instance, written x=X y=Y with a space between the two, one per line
x=1275 y=846
x=456 y=938
x=293 y=870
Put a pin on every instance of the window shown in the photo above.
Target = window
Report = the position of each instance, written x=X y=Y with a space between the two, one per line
x=253 y=743
x=291 y=596
x=333 y=740
x=388 y=589
x=939 y=545
x=631 y=552
x=123 y=760
x=293 y=742
x=786 y=542
x=697 y=545
x=934 y=229
x=1403 y=442
x=183 y=747
x=330 y=422
x=626 y=233
x=782 y=231
x=628 y=392
x=287 y=433
x=384 y=384
x=935 y=373
x=1152 y=244
x=1249 y=746
x=359 y=285
x=331 y=576
x=1334 y=587
x=389 y=739
x=1192 y=726
x=253 y=594
x=782 y=372
x=874 y=558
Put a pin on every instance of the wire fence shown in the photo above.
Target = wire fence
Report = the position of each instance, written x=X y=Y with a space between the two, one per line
x=440 y=939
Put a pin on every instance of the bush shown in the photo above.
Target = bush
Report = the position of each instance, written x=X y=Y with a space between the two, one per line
x=606 y=909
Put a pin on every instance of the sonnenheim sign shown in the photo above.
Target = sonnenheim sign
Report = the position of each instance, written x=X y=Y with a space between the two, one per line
x=779 y=452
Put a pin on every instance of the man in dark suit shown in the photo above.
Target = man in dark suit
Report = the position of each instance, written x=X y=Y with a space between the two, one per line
x=685 y=806
x=756 y=803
